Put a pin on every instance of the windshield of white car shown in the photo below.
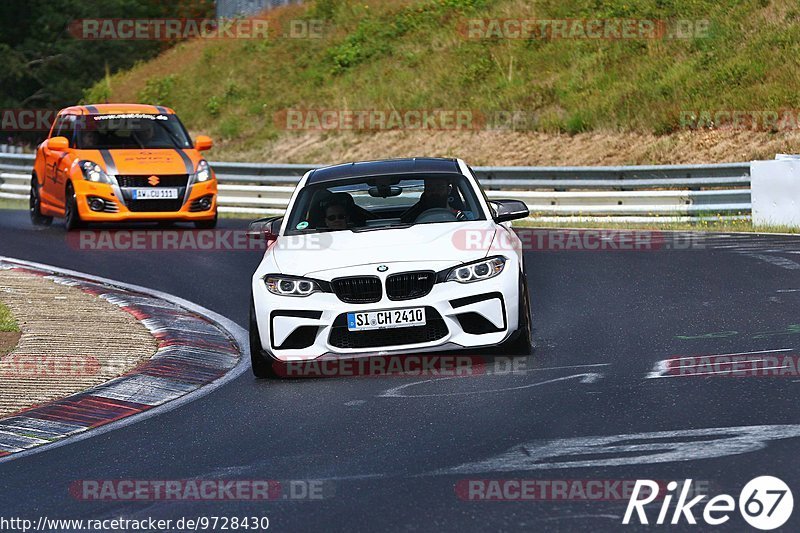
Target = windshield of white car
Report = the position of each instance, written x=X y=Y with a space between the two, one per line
x=384 y=202
x=131 y=131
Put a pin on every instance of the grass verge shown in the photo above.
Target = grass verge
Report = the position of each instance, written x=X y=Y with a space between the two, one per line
x=7 y=322
x=9 y=331
x=13 y=204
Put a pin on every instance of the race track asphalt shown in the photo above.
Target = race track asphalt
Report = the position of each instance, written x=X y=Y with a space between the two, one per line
x=392 y=450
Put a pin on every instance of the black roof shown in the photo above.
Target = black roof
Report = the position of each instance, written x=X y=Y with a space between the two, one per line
x=416 y=165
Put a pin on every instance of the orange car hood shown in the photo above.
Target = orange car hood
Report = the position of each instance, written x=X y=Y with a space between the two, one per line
x=139 y=162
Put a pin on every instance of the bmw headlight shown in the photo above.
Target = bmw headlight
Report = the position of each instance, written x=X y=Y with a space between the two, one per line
x=288 y=286
x=93 y=172
x=203 y=172
x=477 y=271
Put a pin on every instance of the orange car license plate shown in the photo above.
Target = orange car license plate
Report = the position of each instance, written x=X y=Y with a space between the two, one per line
x=155 y=194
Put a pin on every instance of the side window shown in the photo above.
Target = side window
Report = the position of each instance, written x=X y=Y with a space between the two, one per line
x=58 y=126
x=68 y=129
x=65 y=127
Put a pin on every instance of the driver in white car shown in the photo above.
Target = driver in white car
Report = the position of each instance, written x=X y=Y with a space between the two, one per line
x=435 y=196
x=336 y=216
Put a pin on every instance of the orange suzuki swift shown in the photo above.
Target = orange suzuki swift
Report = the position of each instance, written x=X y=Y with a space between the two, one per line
x=122 y=163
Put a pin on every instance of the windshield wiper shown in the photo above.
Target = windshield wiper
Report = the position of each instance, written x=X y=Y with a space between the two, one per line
x=297 y=232
x=375 y=228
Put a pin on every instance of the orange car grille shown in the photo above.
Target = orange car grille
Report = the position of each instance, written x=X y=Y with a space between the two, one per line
x=177 y=180
x=155 y=206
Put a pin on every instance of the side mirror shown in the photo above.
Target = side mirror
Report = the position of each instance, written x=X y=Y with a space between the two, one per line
x=265 y=228
x=510 y=210
x=203 y=142
x=58 y=144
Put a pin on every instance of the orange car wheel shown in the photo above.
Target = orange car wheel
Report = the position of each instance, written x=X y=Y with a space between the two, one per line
x=207 y=224
x=72 y=219
x=37 y=218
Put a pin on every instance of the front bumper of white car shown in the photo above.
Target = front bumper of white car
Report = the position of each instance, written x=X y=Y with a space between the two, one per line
x=458 y=316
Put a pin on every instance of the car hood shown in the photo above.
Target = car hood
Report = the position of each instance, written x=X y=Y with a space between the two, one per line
x=438 y=244
x=144 y=162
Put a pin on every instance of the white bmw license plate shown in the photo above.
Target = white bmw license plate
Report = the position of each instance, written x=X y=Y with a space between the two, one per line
x=394 y=318
x=155 y=194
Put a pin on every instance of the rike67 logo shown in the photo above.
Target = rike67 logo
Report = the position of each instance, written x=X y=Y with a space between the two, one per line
x=765 y=503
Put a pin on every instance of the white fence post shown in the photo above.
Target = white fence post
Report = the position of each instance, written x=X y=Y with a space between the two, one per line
x=775 y=191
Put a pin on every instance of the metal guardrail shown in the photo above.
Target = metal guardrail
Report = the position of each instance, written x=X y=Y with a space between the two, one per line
x=670 y=192
x=10 y=149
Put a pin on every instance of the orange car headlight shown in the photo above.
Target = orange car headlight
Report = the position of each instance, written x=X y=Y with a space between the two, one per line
x=93 y=172
x=203 y=172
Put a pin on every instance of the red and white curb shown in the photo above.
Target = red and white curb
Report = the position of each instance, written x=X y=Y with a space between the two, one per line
x=198 y=351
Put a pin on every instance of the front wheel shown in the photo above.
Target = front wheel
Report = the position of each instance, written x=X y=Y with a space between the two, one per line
x=521 y=343
x=72 y=219
x=207 y=224
x=263 y=365
x=37 y=218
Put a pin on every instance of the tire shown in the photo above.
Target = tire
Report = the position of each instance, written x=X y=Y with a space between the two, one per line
x=263 y=365
x=35 y=205
x=207 y=224
x=520 y=343
x=72 y=219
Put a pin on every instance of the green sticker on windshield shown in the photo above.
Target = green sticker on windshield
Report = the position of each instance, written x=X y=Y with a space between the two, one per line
x=302 y=225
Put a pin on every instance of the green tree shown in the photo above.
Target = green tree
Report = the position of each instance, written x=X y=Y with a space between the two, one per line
x=45 y=66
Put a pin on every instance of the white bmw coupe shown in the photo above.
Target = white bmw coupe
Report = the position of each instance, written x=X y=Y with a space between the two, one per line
x=389 y=257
